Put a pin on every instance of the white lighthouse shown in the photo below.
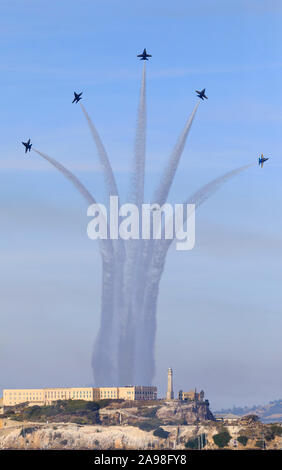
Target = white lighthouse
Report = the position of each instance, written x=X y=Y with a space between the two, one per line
x=169 y=393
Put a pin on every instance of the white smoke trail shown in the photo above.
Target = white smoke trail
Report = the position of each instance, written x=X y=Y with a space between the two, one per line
x=200 y=196
x=133 y=247
x=103 y=362
x=138 y=176
x=146 y=361
x=69 y=175
x=117 y=244
x=103 y=156
x=160 y=198
x=169 y=173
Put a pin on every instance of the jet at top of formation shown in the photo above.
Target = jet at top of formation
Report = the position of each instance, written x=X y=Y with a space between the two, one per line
x=27 y=145
x=201 y=94
x=144 y=55
x=77 y=97
x=261 y=160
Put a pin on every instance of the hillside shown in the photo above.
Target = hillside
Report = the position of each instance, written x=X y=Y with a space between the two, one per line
x=147 y=415
x=120 y=424
x=271 y=412
x=245 y=434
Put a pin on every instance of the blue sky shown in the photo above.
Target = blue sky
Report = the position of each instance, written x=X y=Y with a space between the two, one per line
x=225 y=295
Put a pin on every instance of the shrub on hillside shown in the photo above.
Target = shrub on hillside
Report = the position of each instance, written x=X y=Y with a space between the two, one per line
x=76 y=406
x=222 y=439
x=269 y=434
x=150 y=412
x=176 y=422
x=197 y=442
x=104 y=403
x=63 y=409
x=26 y=431
x=243 y=440
x=192 y=444
x=160 y=432
x=276 y=429
x=79 y=420
x=149 y=424
x=39 y=413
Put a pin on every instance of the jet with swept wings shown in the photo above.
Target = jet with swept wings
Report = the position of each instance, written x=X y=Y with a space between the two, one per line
x=144 y=55
x=77 y=97
x=261 y=160
x=27 y=145
x=201 y=94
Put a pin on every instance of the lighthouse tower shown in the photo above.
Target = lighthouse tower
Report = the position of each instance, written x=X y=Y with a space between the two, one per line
x=169 y=393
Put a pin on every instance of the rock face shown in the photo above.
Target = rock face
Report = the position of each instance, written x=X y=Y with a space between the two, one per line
x=187 y=413
x=71 y=436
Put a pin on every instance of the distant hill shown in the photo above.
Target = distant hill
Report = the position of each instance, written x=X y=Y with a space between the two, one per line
x=272 y=412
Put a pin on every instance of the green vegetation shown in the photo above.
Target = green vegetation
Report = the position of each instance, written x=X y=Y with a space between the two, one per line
x=76 y=411
x=149 y=424
x=26 y=431
x=176 y=422
x=276 y=429
x=82 y=420
x=139 y=404
x=260 y=444
x=160 y=432
x=269 y=434
x=243 y=440
x=192 y=444
x=197 y=442
x=222 y=439
x=150 y=412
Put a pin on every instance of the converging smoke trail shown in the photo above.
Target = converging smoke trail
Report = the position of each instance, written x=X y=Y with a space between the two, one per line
x=169 y=173
x=160 y=198
x=124 y=348
x=103 y=354
x=207 y=191
x=147 y=330
x=198 y=198
x=117 y=244
x=104 y=159
x=69 y=175
x=133 y=247
x=138 y=176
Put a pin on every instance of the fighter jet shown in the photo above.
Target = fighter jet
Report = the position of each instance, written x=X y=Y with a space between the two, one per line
x=201 y=94
x=77 y=97
x=27 y=145
x=144 y=55
x=261 y=160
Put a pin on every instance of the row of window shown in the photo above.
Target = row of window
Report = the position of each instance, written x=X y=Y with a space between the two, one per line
x=139 y=393
x=28 y=393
